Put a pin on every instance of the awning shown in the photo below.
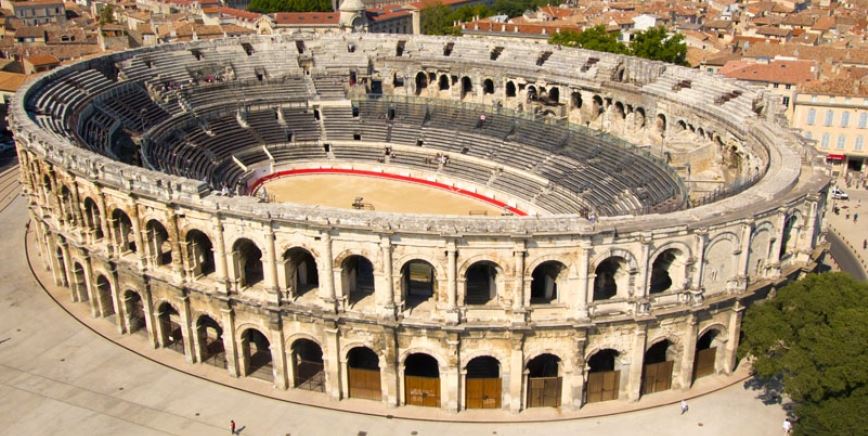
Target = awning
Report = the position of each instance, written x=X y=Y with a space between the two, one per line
x=835 y=157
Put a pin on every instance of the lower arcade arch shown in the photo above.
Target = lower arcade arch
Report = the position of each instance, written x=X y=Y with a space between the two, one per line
x=134 y=308
x=657 y=367
x=421 y=380
x=705 y=362
x=105 y=296
x=308 y=366
x=210 y=337
x=483 y=386
x=79 y=282
x=544 y=381
x=256 y=355
x=363 y=374
x=170 y=327
x=604 y=376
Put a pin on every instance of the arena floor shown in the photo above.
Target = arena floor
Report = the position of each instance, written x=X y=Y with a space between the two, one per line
x=382 y=194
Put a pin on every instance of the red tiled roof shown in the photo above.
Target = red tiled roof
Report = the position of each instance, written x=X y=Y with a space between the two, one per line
x=299 y=18
x=787 y=72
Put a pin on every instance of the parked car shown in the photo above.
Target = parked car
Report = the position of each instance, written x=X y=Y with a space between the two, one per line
x=838 y=194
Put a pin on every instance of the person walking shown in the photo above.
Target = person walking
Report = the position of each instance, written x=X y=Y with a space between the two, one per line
x=787 y=426
x=855 y=217
x=684 y=407
x=232 y=425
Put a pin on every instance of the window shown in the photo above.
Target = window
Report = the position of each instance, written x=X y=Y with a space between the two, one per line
x=776 y=86
x=842 y=141
x=786 y=102
x=812 y=117
x=829 y=115
x=809 y=136
x=825 y=141
x=859 y=143
x=863 y=120
x=845 y=118
x=788 y=86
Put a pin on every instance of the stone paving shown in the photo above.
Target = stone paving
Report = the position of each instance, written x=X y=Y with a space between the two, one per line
x=851 y=229
x=59 y=377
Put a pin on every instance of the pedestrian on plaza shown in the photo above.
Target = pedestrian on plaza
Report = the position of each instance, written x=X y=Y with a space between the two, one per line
x=855 y=217
x=684 y=407
x=865 y=244
x=232 y=425
x=787 y=426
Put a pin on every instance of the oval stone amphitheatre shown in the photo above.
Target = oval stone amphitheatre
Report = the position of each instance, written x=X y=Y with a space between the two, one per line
x=419 y=222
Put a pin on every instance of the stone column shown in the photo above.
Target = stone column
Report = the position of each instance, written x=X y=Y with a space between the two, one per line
x=520 y=298
x=775 y=255
x=514 y=397
x=385 y=294
x=269 y=267
x=333 y=363
x=744 y=256
x=575 y=380
x=732 y=340
x=685 y=378
x=389 y=372
x=220 y=261
x=700 y=261
x=148 y=304
x=641 y=288
x=137 y=233
x=90 y=283
x=583 y=298
x=175 y=240
x=187 y=330
x=637 y=358
x=451 y=276
x=449 y=379
x=327 y=273
x=278 y=350
x=107 y=229
x=228 y=321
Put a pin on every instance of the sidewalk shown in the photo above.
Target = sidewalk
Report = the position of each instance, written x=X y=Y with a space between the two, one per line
x=852 y=230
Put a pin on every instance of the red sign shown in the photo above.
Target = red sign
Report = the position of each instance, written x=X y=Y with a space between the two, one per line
x=835 y=157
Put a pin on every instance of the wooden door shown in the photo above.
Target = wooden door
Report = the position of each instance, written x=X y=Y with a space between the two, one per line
x=483 y=393
x=544 y=392
x=422 y=391
x=704 y=364
x=603 y=386
x=365 y=383
x=657 y=377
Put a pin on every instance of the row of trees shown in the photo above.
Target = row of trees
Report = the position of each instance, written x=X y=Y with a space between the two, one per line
x=654 y=43
x=438 y=19
x=271 y=6
x=812 y=339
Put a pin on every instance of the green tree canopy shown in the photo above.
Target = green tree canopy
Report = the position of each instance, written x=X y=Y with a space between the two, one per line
x=107 y=14
x=593 y=38
x=271 y=6
x=655 y=44
x=514 y=8
x=652 y=44
x=814 y=338
x=437 y=20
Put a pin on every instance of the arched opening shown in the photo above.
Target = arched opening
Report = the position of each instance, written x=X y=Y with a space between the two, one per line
x=421 y=380
x=661 y=123
x=66 y=204
x=200 y=253
x=640 y=117
x=554 y=95
x=363 y=374
x=657 y=368
x=532 y=93
x=481 y=283
x=418 y=279
x=681 y=124
x=210 y=336
x=61 y=266
x=106 y=297
x=598 y=107
x=619 y=110
x=544 y=282
x=301 y=271
x=700 y=132
x=92 y=218
x=135 y=310
x=170 y=327
x=575 y=100
x=421 y=82
x=488 y=86
x=662 y=270
x=443 y=82
x=248 y=262
x=308 y=364
x=544 y=381
x=603 y=377
x=357 y=276
x=256 y=351
x=787 y=240
x=706 y=354
x=158 y=243
x=483 y=388
x=123 y=231
x=510 y=89
x=758 y=253
x=79 y=282
x=610 y=275
x=466 y=86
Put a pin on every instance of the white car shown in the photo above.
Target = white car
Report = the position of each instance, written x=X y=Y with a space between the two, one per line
x=838 y=194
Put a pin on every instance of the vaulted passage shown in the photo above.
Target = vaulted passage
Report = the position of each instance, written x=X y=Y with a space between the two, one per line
x=610 y=273
x=481 y=285
x=706 y=354
x=418 y=281
x=357 y=274
x=200 y=253
x=135 y=309
x=170 y=328
x=421 y=380
x=544 y=282
x=483 y=384
x=544 y=381
x=603 y=377
x=308 y=364
x=248 y=262
x=363 y=373
x=657 y=369
x=211 y=346
x=302 y=275
x=256 y=352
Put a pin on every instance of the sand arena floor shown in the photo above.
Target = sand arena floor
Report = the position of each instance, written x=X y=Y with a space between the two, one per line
x=383 y=195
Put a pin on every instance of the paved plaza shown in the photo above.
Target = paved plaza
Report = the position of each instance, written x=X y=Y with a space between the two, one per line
x=59 y=377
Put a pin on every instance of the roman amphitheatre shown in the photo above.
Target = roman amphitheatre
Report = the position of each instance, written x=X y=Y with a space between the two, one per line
x=419 y=222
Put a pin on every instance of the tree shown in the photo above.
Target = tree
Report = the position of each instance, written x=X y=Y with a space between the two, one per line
x=107 y=14
x=813 y=337
x=437 y=20
x=271 y=6
x=655 y=44
x=593 y=38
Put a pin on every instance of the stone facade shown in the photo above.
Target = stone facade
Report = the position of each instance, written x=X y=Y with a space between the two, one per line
x=164 y=251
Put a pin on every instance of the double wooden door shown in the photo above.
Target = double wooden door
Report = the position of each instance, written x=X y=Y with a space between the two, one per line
x=603 y=386
x=365 y=383
x=422 y=391
x=483 y=393
x=657 y=377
